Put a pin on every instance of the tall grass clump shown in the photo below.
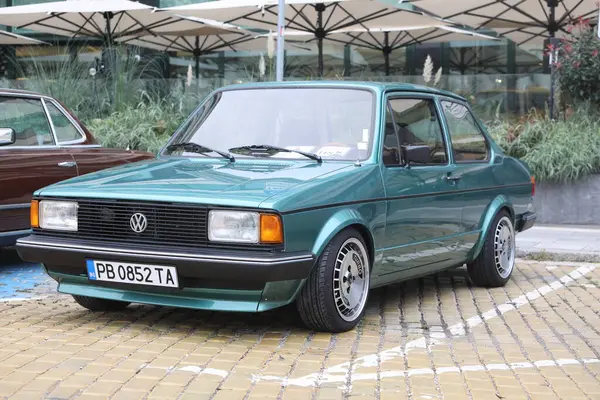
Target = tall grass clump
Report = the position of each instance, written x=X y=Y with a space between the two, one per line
x=561 y=151
x=144 y=126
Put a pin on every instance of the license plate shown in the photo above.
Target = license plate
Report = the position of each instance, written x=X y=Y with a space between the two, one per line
x=140 y=274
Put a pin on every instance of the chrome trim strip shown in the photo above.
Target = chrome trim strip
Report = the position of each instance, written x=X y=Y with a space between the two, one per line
x=15 y=206
x=15 y=233
x=47 y=147
x=181 y=256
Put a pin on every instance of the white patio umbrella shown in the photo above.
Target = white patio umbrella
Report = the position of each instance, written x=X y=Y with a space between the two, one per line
x=106 y=19
x=523 y=21
x=317 y=17
x=213 y=37
x=12 y=39
x=206 y=37
x=388 y=39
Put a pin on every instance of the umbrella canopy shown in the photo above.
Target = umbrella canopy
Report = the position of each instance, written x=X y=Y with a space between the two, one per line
x=12 y=39
x=206 y=37
x=105 y=19
x=389 y=39
x=523 y=21
x=317 y=17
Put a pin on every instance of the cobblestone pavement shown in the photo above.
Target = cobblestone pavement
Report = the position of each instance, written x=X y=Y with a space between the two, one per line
x=438 y=337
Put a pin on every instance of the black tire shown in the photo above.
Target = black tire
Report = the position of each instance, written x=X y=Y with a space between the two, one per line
x=316 y=303
x=95 y=304
x=485 y=269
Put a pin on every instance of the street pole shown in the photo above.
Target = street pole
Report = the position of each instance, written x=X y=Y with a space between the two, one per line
x=280 y=40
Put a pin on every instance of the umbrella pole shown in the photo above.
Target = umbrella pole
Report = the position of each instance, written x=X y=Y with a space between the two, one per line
x=320 y=34
x=386 y=52
x=552 y=28
x=111 y=57
x=197 y=58
x=280 y=41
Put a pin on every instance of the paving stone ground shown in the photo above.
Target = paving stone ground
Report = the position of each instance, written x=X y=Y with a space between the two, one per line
x=433 y=338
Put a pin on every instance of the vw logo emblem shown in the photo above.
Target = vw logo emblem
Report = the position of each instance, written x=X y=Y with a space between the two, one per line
x=138 y=223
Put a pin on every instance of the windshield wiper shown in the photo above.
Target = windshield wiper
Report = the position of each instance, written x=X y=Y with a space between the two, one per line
x=270 y=150
x=197 y=148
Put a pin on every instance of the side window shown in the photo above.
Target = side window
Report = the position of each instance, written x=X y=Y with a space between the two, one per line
x=65 y=131
x=416 y=123
x=468 y=143
x=28 y=119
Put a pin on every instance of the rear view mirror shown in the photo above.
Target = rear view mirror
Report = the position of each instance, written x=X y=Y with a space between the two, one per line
x=416 y=154
x=7 y=136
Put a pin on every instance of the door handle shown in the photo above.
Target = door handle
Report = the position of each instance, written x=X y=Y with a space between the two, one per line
x=67 y=164
x=452 y=178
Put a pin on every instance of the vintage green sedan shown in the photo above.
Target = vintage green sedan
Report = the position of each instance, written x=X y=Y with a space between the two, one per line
x=269 y=194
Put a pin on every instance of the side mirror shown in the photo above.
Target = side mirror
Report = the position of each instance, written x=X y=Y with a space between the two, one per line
x=7 y=136
x=416 y=154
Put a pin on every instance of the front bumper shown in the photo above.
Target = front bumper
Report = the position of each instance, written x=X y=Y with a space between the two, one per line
x=209 y=278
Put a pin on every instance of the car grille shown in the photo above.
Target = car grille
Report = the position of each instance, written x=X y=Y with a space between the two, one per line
x=167 y=224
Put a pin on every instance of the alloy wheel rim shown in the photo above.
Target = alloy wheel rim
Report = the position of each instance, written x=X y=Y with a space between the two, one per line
x=504 y=247
x=351 y=279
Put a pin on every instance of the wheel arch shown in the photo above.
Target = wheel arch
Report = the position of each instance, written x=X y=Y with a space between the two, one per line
x=340 y=221
x=497 y=205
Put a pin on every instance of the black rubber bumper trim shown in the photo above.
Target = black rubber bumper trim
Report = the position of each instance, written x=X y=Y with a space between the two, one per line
x=526 y=221
x=198 y=263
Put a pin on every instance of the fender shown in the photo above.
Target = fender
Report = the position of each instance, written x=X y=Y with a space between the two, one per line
x=335 y=224
x=500 y=202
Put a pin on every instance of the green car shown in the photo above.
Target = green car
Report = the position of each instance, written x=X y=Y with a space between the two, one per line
x=268 y=194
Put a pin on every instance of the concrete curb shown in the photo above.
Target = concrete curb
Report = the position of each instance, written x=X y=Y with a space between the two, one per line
x=544 y=255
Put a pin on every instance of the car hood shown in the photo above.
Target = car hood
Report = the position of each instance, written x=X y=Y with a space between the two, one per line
x=244 y=183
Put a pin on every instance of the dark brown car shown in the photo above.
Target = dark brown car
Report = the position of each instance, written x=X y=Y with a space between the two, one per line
x=41 y=142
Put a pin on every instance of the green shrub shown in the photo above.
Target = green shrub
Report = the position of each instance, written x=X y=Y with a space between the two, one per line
x=578 y=64
x=563 y=150
x=145 y=126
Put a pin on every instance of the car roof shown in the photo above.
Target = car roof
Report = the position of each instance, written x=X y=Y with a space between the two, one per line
x=377 y=86
x=23 y=92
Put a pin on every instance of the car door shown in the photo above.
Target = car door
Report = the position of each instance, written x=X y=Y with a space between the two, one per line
x=423 y=214
x=89 y=158
x=32 y=162
x=478 y=183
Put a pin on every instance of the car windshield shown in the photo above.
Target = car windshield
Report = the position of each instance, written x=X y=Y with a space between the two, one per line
x=335 y=124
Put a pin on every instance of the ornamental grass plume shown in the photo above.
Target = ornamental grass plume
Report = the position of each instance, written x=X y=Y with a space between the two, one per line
x=270 y=45
x=428 y=69
x=438 y=77
x=190 y=76
x=262 y=67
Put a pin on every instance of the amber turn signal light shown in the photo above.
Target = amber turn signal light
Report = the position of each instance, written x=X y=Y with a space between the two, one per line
x=271 y=230
x=532 y=186
x=34 y=215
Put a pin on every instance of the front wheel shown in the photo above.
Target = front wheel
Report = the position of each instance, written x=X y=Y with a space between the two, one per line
x=335 y=295
x=495 y=263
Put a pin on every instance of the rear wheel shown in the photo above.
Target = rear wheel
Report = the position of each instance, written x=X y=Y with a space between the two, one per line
x=95 y=304
x=495 y=263
x=335 y=294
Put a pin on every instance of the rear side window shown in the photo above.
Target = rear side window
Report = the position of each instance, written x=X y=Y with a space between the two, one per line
x=468 y=142
x=65 y=131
